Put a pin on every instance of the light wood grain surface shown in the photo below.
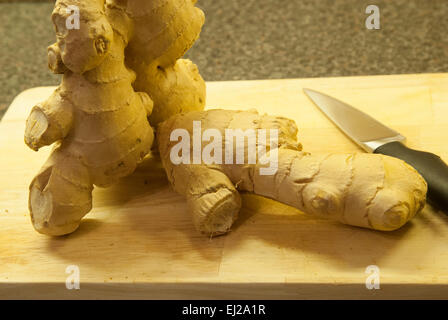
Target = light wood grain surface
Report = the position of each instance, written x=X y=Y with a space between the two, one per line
x=139 y=242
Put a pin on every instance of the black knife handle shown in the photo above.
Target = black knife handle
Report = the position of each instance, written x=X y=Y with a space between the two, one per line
x=429 y=165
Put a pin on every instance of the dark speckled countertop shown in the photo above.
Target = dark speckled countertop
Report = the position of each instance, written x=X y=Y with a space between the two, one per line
x=257 y=39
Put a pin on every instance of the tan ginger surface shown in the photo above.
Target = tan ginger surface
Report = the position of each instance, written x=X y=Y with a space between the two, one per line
x=164 y=30
x=123 y=68
x=365 y=190
x=97 y=119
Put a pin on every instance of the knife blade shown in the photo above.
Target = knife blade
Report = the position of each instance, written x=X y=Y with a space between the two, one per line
x=375 y=137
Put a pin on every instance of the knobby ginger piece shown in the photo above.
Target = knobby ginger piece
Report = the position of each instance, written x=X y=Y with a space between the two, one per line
x=366 y=190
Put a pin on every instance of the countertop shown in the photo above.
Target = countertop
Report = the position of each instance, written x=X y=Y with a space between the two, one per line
x=260 y=39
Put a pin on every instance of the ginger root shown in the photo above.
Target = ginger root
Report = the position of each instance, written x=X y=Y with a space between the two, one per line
x=120 y=70
x=122 y=73
x=164 y=30
x=99 y=115
x=366 y=190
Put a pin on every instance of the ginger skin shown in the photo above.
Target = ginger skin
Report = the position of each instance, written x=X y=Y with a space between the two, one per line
x=366 y=190
x=163 y=31
x=98 y=120
x=122 y=73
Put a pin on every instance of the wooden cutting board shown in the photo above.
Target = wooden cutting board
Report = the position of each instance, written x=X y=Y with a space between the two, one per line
x=139 y=242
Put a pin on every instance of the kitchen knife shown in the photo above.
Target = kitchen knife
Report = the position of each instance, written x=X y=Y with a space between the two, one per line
x=373 y=136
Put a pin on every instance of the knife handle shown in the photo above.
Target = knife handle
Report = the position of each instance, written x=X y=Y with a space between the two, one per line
x=430 y=166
